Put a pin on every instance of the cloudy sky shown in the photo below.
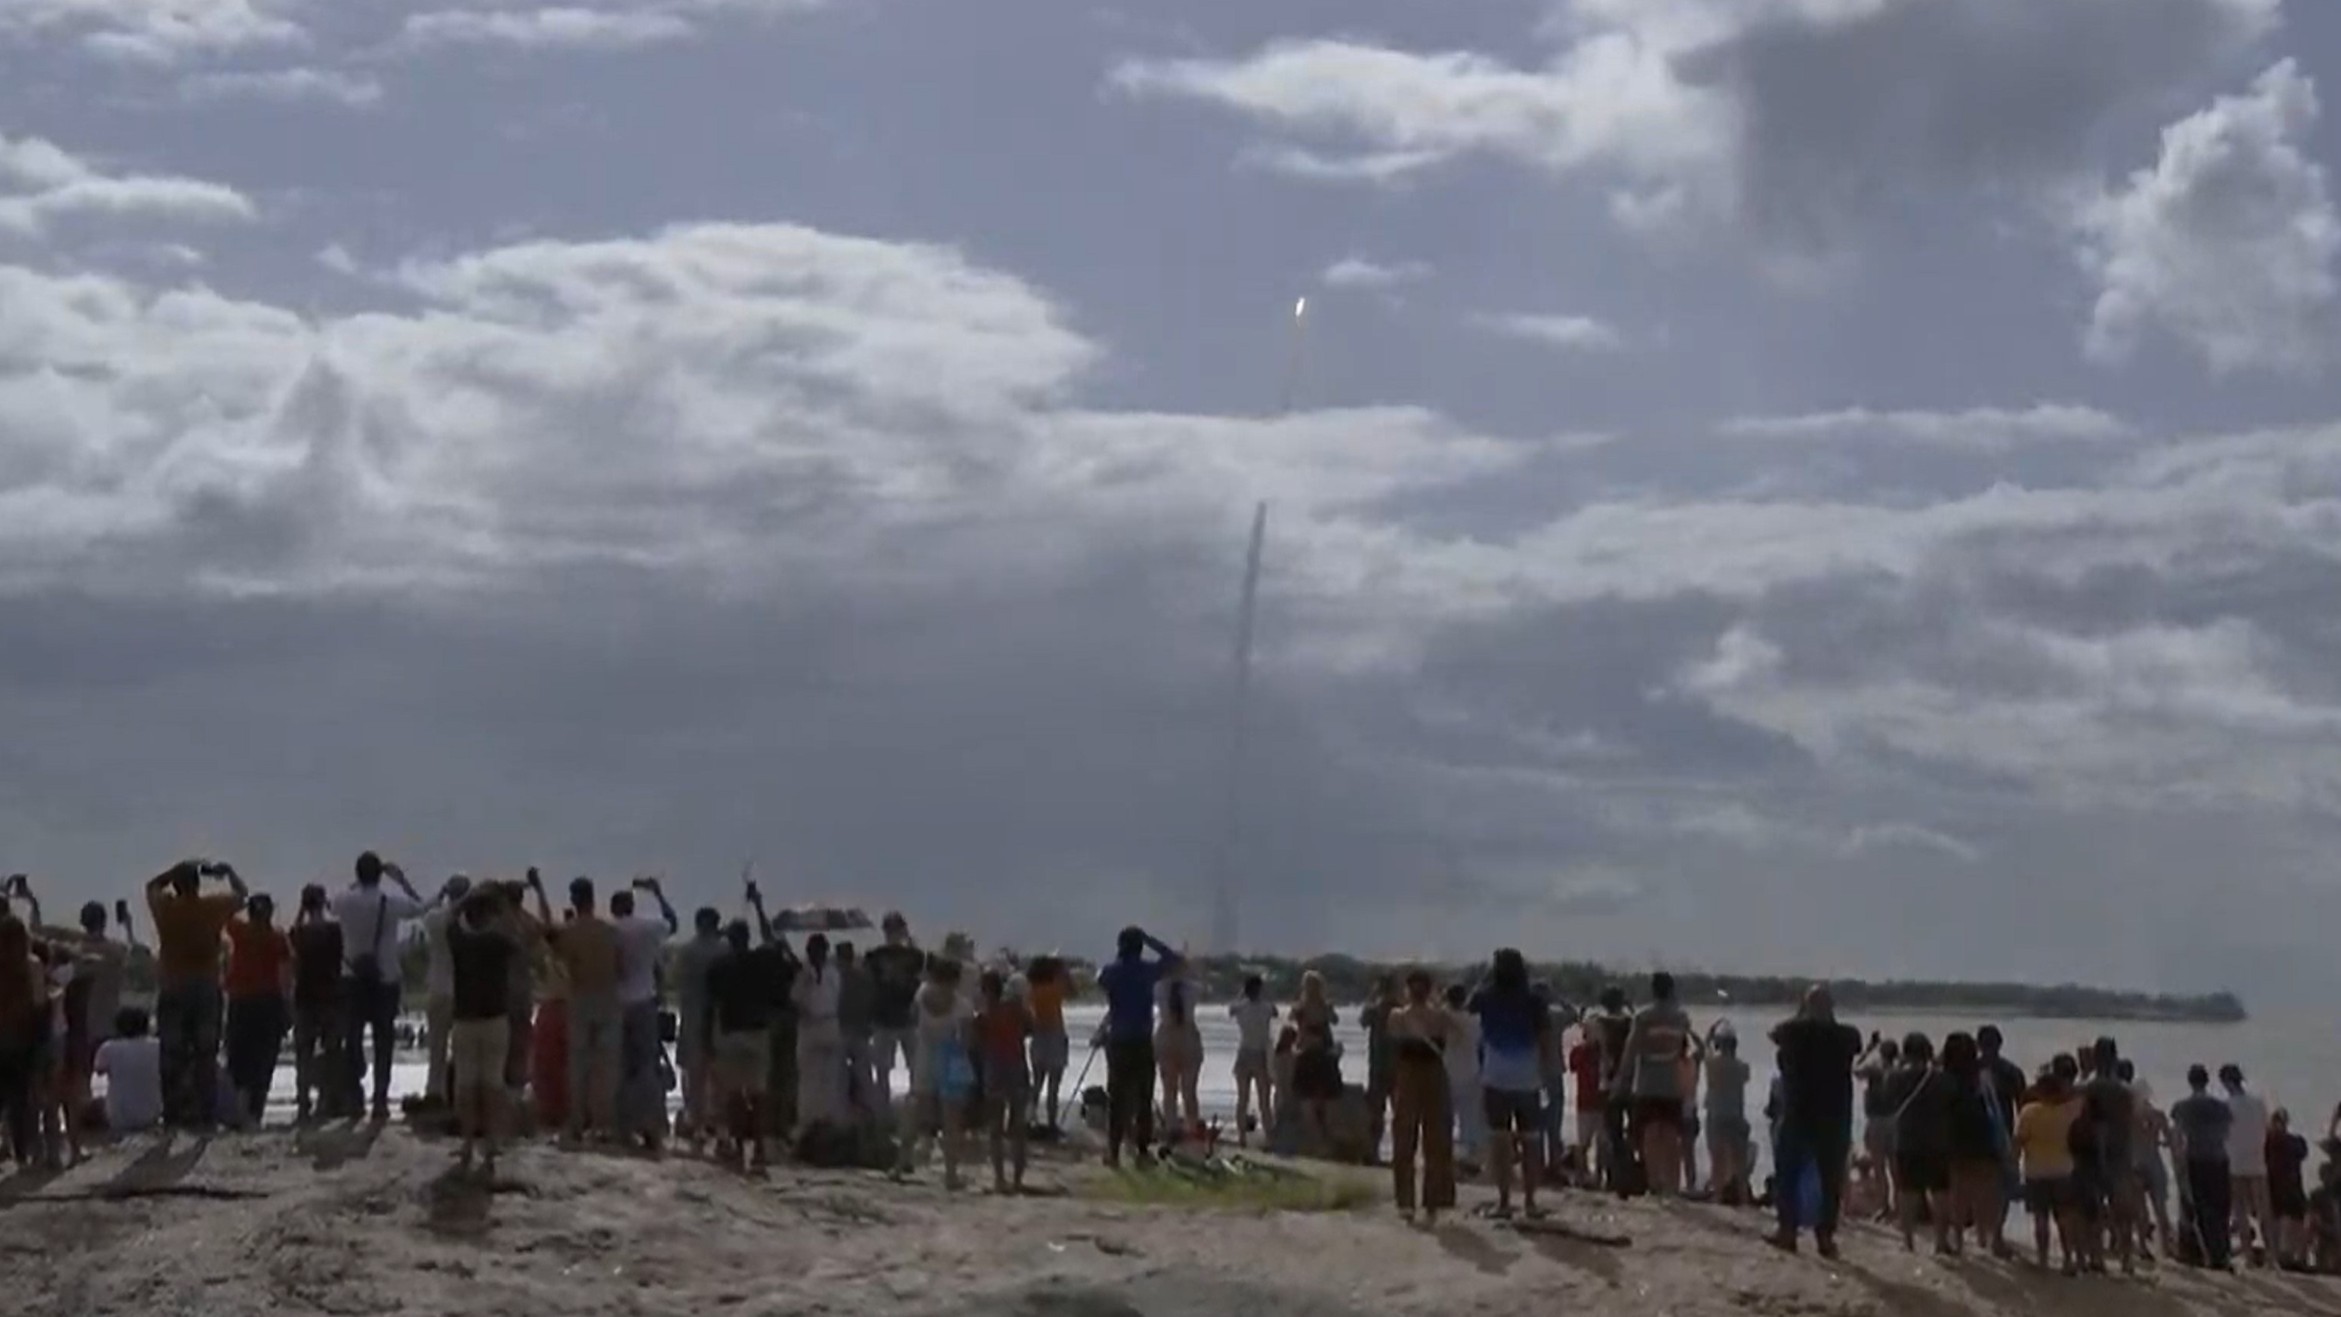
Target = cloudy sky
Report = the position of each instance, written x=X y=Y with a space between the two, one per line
x=1845 y=484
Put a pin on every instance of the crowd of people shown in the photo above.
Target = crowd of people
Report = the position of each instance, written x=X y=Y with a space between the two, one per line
x=559 y=1022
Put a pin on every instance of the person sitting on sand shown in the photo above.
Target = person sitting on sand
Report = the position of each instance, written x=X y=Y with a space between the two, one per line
x=132 y=1062
x=1046 y=984
x=1512 y=1025
x=820 y=1043
x=1650 y=1077
x=943 y=1075
x=482 y=943
x=1255 y=1018
x=1464 y=1097
x=188 y=923
x=1004 y=1028
x=746 y=987
x=1812 y=1114
x=2044 y=1131
x=1422 y=1032
x=1178 y=1053
x=1129 y=983
x=642 y=941
x=1316 y=1065
x=587 y=947
x=690 y=964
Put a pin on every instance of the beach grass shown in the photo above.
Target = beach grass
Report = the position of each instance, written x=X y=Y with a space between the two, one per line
x=1256 y=1194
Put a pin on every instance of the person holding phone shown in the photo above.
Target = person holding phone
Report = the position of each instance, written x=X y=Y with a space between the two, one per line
x=370 y=914
x=188 y=923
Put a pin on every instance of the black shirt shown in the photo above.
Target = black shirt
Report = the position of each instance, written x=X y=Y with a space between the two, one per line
x=482 y=960
x=895 y=975
x=2009 y=1084
x=316 y=962
x=1816 y=1073
x=2109 y=1116
x=747 y=989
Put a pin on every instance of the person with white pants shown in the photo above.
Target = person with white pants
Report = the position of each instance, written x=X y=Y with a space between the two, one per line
x=1463 y=1082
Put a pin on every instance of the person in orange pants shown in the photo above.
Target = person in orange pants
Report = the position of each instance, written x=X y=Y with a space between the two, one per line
x=1421 y=1031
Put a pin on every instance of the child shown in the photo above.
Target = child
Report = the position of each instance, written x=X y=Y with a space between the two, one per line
x=132 y=1063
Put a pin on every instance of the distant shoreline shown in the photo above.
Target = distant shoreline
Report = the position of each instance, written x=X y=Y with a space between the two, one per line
x=1349 y=979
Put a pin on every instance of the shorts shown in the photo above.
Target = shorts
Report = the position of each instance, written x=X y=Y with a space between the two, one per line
x=1510 y=1110
x=742 y=1062
x=2044 y=1198
x=476 y=1049
x=1877 y=1139
x=1589 y=1126
x=1051 y=1050
x=1731 y=1131
x=1252 y=1065
x=2099 y=1189
x=1656 y=1113
x=1923 y=1173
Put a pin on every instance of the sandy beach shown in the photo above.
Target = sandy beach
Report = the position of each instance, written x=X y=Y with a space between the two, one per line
x=335 y=1222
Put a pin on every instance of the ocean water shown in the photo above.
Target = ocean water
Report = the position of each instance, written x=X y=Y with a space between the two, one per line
x=2294 y=1064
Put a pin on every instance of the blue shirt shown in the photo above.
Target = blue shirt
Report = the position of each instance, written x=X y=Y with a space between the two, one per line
x=1511 y=1026
x=1129 y=993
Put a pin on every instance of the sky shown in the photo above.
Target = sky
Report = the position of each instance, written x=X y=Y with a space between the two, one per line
x=1844 y=486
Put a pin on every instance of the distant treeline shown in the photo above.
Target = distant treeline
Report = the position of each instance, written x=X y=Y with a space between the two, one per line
x=1348 y=979
x=1351 y=980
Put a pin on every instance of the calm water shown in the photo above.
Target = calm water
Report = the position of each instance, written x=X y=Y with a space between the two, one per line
x=2293 y=1064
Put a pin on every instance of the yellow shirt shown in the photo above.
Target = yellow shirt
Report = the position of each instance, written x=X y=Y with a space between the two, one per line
x=2043 y=1134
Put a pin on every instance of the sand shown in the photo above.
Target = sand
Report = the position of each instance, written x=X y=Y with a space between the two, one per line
x=337 y=1223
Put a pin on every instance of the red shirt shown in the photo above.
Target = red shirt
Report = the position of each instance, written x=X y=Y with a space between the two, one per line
x=1585 y=1064
x=256 y=959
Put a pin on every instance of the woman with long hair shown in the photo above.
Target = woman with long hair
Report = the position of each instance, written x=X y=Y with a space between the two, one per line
x=1316 y=1065
x=1918 y=1094
x=1178 y=1054
x=1977 y=1145
x=24 y=1035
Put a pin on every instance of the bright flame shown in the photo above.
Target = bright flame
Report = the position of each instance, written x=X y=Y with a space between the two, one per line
x=1300 y=308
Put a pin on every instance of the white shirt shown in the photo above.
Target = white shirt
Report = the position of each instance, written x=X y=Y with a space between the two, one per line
x=369 y=918
x=439 y=977
x=1253 y=1019
x=816 y=993
x=640 y=940
x=1463 y=1049
x=2247 y=1138
x=133 y=1068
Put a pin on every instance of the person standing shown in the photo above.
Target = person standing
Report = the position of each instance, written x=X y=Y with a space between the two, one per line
x=2044 y=1144
x=260 y=989
x=188 y=923
x=1052 y=1048
x=93 y=996
x=323 y=1077
x=1178 y=1050
x=897 y=968
x=746 y=987
x=1004 y=1029
x=1512 y=1025
x=1381 y=1070
x=2247 y=1162
x=1730 y=1138
x=1587 y=1069
x=642 y=1107
x=2288 y=1192
x=1422 y=1032
x=2105 y=1171
x=439 y=988
x=1463 y=1088
x=587 y=948
x=2202 y=1127
x=691 y=961
x=820 y=1040
x=1129 y=984
x=370 y=914
x=1255 y=1018
x=1650 y=1077
x=482 y=943
x=1814 y=1120
x=855 y=997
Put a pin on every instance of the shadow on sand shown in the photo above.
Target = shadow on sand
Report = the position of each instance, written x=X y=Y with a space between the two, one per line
x=331 y=1146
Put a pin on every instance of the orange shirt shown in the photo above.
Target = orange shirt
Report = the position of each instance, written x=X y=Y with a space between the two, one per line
x=257 y=958
x=1048 y=1006
x=186 y=934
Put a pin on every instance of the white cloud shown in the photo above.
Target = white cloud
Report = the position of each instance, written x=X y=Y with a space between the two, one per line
x=1984 y=428
x=156 y=31
x=561 y=26
x=2228 y=243
x=1356 y=272
x=41 y=184
x=1569 y=333
x=332 y=86
x=1799 y=119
